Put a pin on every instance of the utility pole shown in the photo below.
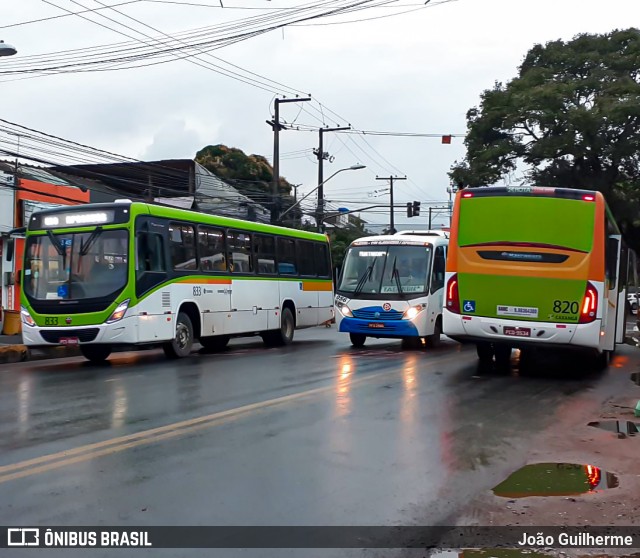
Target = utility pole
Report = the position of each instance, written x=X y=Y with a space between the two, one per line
x=451 y=190
x=435 y=210
x=295 y=192
x=276 y=127
x=392 y=226
x=321 y=155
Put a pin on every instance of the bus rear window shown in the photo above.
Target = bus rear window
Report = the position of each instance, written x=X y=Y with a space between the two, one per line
x=546 y=221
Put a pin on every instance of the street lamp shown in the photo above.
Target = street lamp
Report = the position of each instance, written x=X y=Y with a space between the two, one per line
x=7 y=50
x=352 y=167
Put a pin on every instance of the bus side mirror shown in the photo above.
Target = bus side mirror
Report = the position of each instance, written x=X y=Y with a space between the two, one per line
x=10 y=249
x=612 y=260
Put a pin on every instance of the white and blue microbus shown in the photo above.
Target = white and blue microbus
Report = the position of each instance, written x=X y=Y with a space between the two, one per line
x=392 y=286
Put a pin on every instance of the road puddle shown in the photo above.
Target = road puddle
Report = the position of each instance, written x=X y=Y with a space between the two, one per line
x=490 y=553
x=619 y=426
x=555 y=479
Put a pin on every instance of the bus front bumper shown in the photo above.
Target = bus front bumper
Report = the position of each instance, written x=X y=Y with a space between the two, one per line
x=123 y=332
x=520 y=333
x=381 y=328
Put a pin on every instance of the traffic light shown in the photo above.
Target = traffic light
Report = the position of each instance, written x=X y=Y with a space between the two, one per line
x=409 y=209
x=416 y=208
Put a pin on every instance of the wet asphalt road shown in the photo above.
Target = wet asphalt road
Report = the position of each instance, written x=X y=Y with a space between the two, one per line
x=316 y=433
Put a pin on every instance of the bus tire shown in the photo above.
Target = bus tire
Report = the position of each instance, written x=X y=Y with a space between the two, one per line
x=433 y=340
x=180 y=346
x=95 y=353
x=602 y=360
x=284 y=335
x=357 y=339
x=411 y=343
x=485 y=352
x=215 y=343
x=503 y=355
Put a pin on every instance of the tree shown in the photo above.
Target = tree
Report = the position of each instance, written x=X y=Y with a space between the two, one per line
x=570 y=118
x=251 y=175
x=341 y=237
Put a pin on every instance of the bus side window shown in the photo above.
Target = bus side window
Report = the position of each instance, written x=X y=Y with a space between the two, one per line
x=439 y=264
x=287 y=256
x=150 y=253
x=265 y=254
x=239 y=252
x=211 y=249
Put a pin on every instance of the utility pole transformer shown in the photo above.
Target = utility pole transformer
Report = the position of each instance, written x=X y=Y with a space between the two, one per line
x=392 y=226
x=276 y=127
x=321 y=157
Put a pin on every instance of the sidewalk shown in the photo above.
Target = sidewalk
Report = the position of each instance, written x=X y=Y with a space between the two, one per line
x=13 y=350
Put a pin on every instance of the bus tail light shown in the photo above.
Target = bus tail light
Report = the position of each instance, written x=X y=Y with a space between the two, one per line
x=119 y=312
x=589 y=307
x=453 y=298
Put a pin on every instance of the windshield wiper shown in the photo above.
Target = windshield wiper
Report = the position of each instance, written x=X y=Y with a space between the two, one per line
x=84 y=248
x=365 y=277
x=61 y=251
x=396 y=275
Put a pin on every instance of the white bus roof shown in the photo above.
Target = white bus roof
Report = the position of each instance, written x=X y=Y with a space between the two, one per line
x=415 y=238
x=441 y=233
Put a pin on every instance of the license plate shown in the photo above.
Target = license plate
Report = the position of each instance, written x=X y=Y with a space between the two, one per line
x=517 y=331
x=376 y=325
x=69 y=340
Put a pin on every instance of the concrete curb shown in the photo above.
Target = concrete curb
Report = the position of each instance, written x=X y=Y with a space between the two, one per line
x=21 y=353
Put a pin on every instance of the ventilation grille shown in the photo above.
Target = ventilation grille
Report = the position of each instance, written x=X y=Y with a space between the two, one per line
x=166 y=299
x=83 y=335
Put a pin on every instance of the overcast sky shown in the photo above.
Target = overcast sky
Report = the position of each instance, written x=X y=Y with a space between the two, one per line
x=418 y=71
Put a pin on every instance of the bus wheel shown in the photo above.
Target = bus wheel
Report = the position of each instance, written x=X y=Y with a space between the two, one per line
x=217 y=343
x=602 y=360
x=95 y=353
x=284 y=335
x=434 y=339
x=412 y=343
x=180 y=345
x=357 y=339
x=503 y=355
x=485 y=352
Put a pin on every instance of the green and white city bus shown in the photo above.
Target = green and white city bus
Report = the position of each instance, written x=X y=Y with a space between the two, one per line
x=536 y=266
x=129 y=274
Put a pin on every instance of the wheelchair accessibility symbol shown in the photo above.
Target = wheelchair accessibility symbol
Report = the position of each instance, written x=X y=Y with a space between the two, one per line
x=469 y=306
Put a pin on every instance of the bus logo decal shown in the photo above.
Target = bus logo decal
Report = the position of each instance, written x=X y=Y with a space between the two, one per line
x=376 y=315
x=469 y=306
x=386 y=306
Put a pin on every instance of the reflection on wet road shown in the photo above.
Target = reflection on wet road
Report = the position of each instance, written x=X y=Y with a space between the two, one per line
x=317 y=433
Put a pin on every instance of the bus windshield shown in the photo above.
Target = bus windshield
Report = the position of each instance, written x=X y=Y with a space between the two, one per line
x=76 y=266
x=545 y=221
x=387 y=269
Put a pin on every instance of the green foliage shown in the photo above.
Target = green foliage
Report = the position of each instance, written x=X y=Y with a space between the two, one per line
x=341 y=238
x=251 y=175
x=570 y=118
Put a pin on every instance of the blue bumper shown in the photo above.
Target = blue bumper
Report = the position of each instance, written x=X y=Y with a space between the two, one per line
x=390 y=328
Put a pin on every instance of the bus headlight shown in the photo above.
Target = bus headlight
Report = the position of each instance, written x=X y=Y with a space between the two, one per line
x=26 y=317
x=119 y=312
x=344 y=309
x=412 y=312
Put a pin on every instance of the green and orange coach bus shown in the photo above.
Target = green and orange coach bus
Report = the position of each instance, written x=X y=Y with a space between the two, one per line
x=536 y=266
